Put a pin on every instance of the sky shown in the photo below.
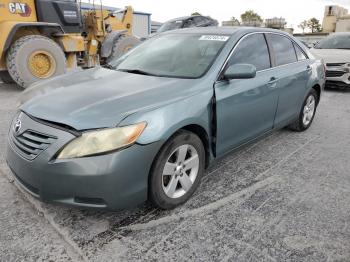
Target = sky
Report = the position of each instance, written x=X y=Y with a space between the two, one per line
x=294 y=11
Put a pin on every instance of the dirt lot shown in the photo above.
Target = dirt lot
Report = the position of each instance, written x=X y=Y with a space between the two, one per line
x=286 y=197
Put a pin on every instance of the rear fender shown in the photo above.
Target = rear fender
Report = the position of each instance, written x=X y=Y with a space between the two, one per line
x=317 y=77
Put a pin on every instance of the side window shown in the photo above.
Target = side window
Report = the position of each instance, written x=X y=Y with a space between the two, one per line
x=198 y=20
x=283 y=49
x=252 y=50
x=300 y=54
x=189 y=23
x=201 y=21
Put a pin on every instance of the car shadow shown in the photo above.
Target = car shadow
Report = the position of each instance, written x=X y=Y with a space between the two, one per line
x=337 y=89
x=231 y=174
x=10 y=87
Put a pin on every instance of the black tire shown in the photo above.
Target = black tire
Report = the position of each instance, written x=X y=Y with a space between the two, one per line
x=122 y=45
x=6 y=78
x=21 y=50
x=299 y=124
x=157 y=194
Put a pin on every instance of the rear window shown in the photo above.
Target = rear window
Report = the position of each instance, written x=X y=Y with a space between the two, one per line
x=283 y=49
x=300 y=53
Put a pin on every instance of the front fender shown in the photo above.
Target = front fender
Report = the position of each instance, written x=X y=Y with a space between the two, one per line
x=164 y=121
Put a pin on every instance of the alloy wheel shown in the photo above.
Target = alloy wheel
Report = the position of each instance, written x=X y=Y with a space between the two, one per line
x=180 y=171
x=309 y=110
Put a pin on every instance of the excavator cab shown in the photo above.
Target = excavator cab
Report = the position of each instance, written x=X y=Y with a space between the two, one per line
x=63 y=12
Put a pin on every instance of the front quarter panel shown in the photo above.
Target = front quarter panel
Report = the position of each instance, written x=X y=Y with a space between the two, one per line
x=163 y=122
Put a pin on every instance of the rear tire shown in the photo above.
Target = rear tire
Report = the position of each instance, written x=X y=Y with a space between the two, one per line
x=177 y=170
x=307 y=112
x=6 y=78
x=123 y=45
x=33 y=58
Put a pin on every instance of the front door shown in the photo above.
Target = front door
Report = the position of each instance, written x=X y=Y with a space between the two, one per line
x=246 y=108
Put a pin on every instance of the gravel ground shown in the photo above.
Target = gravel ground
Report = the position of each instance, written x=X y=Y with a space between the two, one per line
x=284 y=198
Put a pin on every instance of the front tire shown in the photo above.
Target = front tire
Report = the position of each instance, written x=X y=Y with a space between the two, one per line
x=307 y=112
x=33 y=58
x=177 y=170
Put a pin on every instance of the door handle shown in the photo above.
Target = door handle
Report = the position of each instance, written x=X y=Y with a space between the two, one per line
x=272 y=84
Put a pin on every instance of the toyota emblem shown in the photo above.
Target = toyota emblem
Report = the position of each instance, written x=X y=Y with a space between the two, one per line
x=17 y=126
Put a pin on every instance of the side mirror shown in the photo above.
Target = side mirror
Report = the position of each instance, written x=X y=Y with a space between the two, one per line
x=240 y=71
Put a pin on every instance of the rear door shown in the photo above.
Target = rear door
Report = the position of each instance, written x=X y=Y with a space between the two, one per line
x=292 y=72
x=245 y=108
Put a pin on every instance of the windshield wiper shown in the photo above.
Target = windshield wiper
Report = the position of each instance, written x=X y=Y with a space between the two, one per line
x=137 y=71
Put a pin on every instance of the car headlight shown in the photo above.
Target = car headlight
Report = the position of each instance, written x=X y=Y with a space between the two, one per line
x=102 y=141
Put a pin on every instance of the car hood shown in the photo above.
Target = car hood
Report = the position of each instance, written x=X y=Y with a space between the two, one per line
x=332 y=55
x=98 y=98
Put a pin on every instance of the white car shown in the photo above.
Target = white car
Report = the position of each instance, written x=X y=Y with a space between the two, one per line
x=334 y=50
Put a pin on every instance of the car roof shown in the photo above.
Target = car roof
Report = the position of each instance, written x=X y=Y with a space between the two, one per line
x=178 y=19
x=187 y=17
x=223 y=30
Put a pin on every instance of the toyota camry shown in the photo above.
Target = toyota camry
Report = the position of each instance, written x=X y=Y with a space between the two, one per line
x=148 y=126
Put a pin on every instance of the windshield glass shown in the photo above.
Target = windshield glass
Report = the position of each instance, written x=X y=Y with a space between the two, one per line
x=173 y=55
x=170 y=26
x=335 y=41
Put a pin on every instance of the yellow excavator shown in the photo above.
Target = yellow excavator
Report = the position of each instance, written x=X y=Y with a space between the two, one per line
x=40 y=39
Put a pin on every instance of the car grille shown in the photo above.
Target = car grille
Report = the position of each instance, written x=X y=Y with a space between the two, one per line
x=30 y=143
x=334 y=73
x=337 y=84
x=335 y=64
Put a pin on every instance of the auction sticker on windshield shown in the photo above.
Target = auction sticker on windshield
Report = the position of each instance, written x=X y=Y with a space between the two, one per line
x=222 y=38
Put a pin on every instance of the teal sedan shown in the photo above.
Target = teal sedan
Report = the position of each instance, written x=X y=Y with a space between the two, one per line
x=147 y=126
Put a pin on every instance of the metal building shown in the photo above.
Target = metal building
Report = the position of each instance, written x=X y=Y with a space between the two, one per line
x=155 y=26
x=142 y=20
x=343 y=24
x=142 y=24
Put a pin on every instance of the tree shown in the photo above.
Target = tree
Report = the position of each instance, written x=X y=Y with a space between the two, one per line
x=196 y=13
x=314 y=25
x=251 y=18
x=303 y=25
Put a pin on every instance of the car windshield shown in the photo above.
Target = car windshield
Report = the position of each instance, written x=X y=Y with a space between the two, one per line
x=170 y=26
x=336 y=41
x=173 y=55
